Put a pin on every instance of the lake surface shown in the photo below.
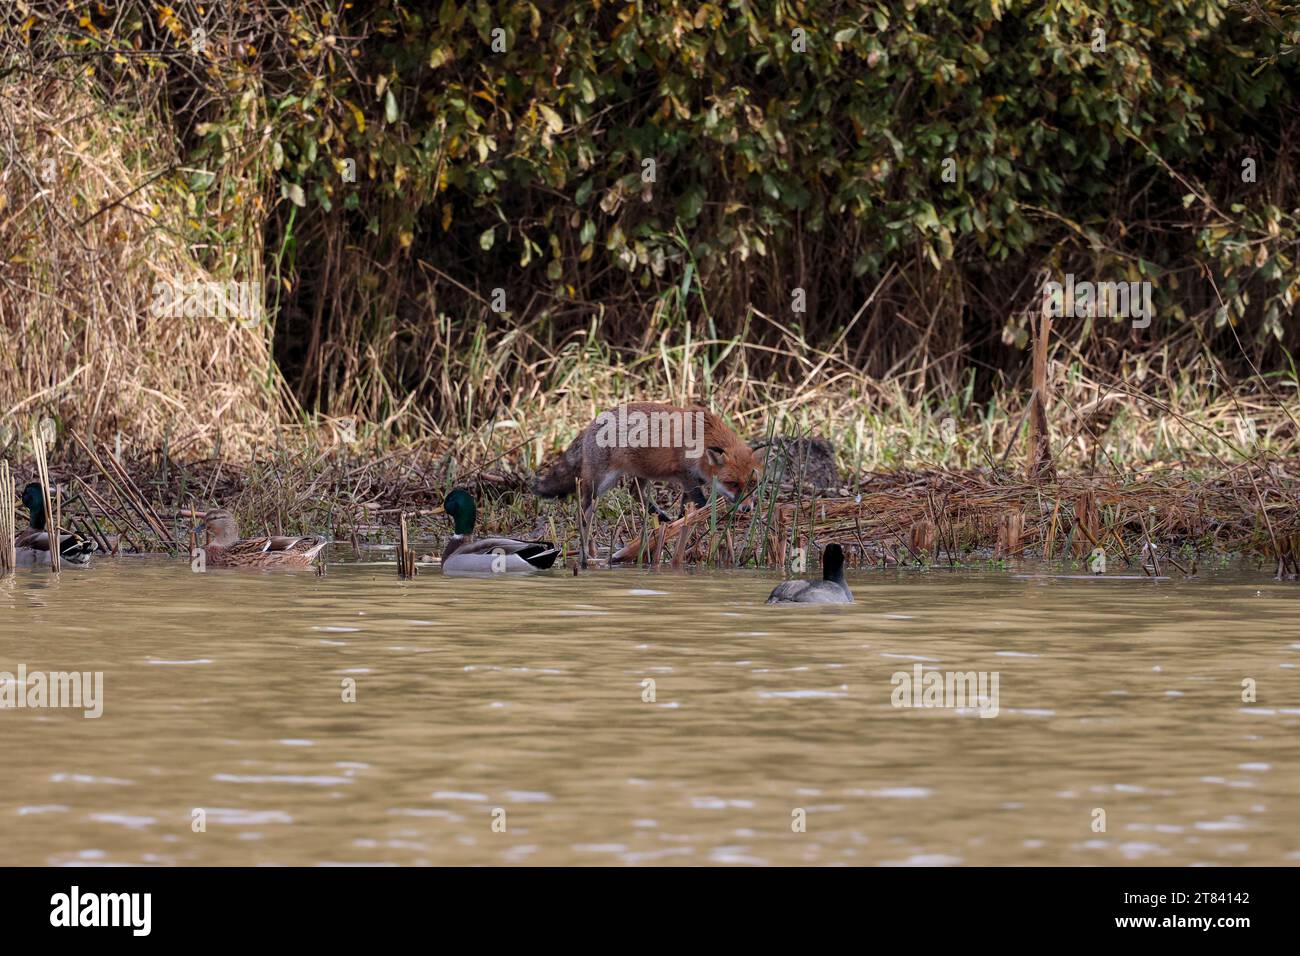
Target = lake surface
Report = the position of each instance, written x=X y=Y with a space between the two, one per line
x=522 y=703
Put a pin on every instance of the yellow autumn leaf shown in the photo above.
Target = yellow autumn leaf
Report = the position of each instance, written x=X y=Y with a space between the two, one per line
x=446 y=216
x=552 y=118
x=357 y=115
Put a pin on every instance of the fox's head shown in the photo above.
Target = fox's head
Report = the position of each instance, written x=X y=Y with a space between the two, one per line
x=735 y=470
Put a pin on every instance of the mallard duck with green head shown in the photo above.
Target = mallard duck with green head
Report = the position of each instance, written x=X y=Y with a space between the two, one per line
x=226 y=549
x=465 y=554
x=33 y=544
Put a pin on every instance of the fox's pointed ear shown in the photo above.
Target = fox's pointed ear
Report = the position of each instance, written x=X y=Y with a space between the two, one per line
x=717 y=456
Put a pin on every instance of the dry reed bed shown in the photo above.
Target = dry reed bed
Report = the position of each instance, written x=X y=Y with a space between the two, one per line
x=936 y=517
x=1162 y=518
x=92 y=230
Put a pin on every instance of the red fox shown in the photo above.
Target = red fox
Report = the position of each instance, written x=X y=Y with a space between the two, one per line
x=646 y=441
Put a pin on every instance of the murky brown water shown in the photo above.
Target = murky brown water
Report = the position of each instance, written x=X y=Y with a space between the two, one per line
x=224 y=691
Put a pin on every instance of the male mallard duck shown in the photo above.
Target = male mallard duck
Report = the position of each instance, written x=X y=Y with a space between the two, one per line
x=831 y=589
x=225 y=549
x=466 y=554
x=34 y=544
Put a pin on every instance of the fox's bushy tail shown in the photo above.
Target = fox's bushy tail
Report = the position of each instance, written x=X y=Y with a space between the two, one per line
x=559 y=476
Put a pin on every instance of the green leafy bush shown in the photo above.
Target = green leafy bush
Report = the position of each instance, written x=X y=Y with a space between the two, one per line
x=954 y=149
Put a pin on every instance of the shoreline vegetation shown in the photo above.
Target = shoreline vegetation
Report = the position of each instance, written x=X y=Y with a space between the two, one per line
x=1166 y=517
x=434 y=262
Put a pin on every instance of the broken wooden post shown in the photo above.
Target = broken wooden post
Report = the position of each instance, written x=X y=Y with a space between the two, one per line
x=1011 y=528
x=405 y=553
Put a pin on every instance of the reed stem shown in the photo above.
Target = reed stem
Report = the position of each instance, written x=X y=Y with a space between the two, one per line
x=8 y=521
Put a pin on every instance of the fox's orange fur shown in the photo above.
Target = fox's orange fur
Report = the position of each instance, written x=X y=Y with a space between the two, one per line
x=726 y=463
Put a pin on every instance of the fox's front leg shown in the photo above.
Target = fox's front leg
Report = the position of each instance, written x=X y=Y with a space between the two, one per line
x=648 y=501
x=695 y=495
x=585 y=511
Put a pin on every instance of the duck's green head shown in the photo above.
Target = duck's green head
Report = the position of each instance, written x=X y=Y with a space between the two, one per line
x=34 y=501
x=459 y=503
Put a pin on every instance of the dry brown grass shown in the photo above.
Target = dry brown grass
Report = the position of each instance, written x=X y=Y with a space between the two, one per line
x=82 y=246
x=941 y=518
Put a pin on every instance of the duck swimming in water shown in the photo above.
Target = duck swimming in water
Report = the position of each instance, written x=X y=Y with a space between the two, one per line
x=466 y=554
x=33 y=545
x=831 y=589
x=226 y=549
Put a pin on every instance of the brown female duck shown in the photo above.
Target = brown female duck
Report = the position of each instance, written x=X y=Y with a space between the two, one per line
x=226 y=549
